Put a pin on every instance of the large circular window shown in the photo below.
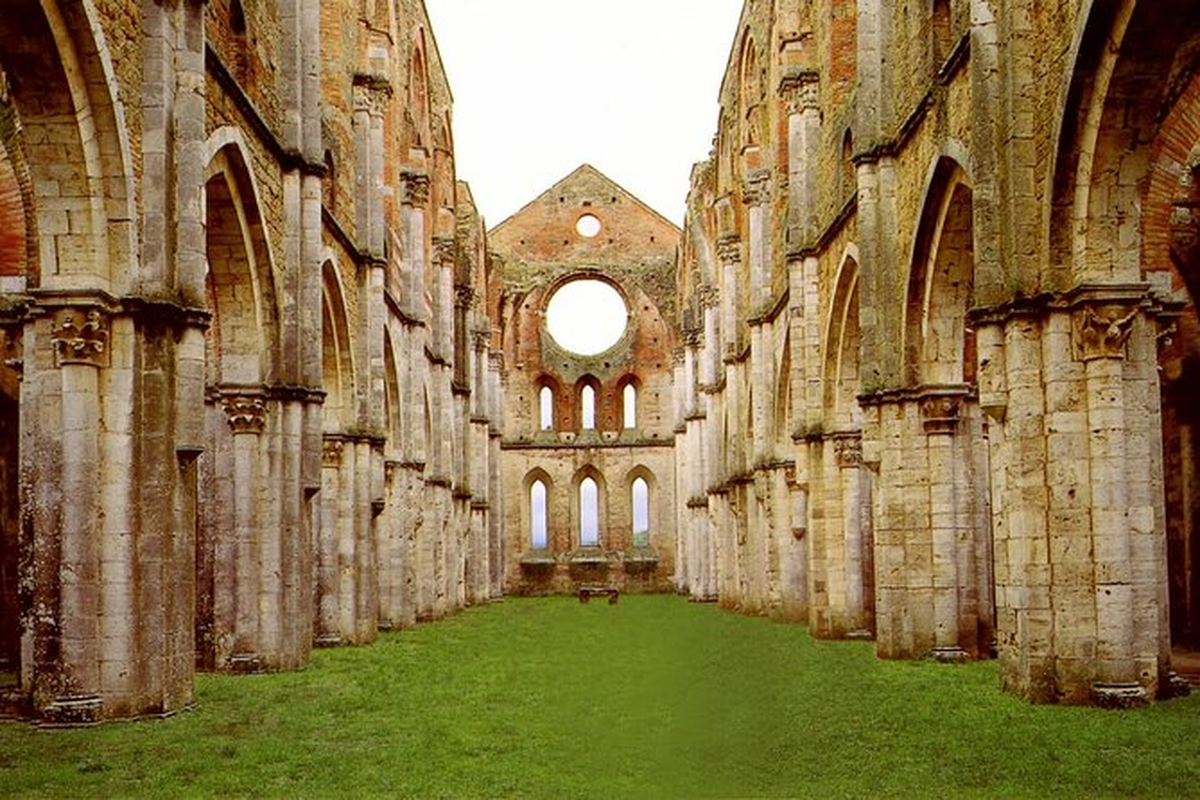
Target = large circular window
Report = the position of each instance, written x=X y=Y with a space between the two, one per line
x=586 y=316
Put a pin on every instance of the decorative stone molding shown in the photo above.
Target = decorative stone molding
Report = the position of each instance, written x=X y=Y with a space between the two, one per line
x=246 y=413
x=940 y=413
x=848 y=451
x=757 y=189
x=445 y=249
x=81 y=337
x=707 y=295
x=729 y=249
x=416 y=188
x=1102 y=332
x=331 y=452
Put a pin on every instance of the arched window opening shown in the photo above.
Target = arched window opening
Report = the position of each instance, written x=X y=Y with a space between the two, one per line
x=641 y=513
x=546 y=409
x=589 y=513
x=587 y=402
x=629 y=396
x=537 y=516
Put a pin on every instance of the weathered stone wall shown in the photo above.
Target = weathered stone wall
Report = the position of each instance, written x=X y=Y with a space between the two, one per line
x=257 y=300
x=972 y=233
x=534 y=253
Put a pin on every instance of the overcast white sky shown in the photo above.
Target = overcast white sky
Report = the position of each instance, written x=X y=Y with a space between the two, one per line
x=542 y=86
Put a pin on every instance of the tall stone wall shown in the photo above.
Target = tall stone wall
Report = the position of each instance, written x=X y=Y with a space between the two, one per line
x=974 y=240
x=245 y=288
x=536 y=252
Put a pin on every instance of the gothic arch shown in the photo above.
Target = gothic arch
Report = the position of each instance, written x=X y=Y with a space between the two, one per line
x=337 y=353
x=534 y=476
x=582 y=475
x=842 y=354
x=938 y=346
x=243 y=337
x=1129 y=72
x=391 y=394
x=75 y=145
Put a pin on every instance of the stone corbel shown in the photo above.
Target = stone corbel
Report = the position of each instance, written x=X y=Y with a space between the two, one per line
x=1101 y=331
x=81 y=337
x=246 y=413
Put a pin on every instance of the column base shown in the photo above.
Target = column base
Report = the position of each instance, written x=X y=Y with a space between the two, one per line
x=860 y=635
x=243 y=663
x=73 y=711
x=1174 y=685
x=1119 y=695
x=328 y=640
x=950 y=655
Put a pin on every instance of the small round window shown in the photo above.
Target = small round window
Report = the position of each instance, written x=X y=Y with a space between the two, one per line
x=586 y=316
x=587 y=226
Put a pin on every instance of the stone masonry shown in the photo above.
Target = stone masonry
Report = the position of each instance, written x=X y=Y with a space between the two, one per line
x=920 y=367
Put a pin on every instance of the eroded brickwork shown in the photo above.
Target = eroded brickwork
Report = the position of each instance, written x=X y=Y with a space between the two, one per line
x=547 y=442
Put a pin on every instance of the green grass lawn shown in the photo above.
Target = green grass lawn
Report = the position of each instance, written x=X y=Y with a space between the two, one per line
x=653 y=697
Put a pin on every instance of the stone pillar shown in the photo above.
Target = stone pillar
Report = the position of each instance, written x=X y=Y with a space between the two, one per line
x=1080 y=565
x=327 y=623
x=247 y=416
x=80 y=342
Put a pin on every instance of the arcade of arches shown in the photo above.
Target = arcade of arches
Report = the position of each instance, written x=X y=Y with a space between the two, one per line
x=920 y=367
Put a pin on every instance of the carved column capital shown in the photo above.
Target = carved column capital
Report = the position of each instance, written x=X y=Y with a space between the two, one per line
x=371 y=93
x=940 y=413
x=331 y=452
x=848 y=451
x=416 y=188
x=757 y=189
x=445 y=249
x=729 y=249
x=245 y=413
x=708 y=296
x=1102 y=330
x=801 y=91
x=81 y=337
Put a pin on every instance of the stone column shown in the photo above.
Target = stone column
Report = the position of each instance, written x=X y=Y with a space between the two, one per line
x=80 y=340
x=327 y=626
x=939 y=418
x=247 y=416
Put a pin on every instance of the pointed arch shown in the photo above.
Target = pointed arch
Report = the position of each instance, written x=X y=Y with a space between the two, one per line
x=74 y=142
x=842 y=356
x=589 y=506
x=391 y=393
x=337 y=352
x=244 y=336
x=1128 y=75
x=587 y=392
x=537 y=490
x=641 y=488
x=938 y=345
